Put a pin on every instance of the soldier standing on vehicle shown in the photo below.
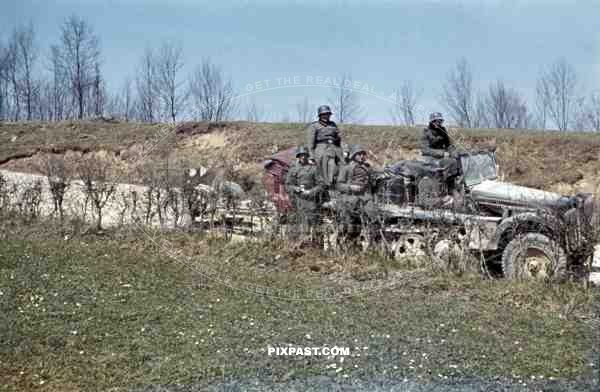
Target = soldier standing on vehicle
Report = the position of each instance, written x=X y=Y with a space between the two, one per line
x=356 y=201
x=305 y=186
x=324 y=144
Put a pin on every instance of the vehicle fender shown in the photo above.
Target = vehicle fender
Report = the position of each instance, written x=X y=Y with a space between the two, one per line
x=546 y=221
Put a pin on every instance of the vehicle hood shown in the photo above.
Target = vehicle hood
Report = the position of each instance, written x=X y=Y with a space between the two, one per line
x=497 y=191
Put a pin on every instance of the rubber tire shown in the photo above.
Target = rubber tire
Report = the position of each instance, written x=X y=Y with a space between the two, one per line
x=510 y=254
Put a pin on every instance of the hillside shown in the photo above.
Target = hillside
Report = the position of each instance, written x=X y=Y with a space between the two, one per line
x=548 y=160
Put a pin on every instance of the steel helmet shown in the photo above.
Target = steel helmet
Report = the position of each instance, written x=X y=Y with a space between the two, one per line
x=355 y=149
x=300 y=151
x=436 y=116
x=323 y=109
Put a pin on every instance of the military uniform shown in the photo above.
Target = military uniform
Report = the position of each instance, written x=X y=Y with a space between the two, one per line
x=356 y=203
x=324 y=144
x=434 y=143
x=286 y=181
x=354 y=185
x=305 y=187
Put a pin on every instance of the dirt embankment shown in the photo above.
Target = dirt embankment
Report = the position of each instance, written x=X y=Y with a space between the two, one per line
x=565 y=163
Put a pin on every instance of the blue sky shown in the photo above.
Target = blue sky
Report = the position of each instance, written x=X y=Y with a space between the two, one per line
x=379 y=43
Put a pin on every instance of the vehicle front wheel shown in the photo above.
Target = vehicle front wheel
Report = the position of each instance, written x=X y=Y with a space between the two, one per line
x=533 y=256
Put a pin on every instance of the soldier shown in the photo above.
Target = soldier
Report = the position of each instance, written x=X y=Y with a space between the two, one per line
x=436 y=146
x=354 y=185
x=324 y=144
x=305 y=187
x=436 y=142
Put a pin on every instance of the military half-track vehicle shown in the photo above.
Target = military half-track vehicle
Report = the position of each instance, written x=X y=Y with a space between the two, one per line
x=428 y=212
x=531 y=233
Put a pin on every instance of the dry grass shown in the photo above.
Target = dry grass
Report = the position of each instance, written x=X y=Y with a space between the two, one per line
x=547 y=160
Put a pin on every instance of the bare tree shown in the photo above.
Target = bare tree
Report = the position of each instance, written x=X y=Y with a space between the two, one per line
x=12 y=75
x=586 y=113
x=579 y=119
x=304 y=111
x=59 y=179
x=404 y=110
x=345 y=101
x=98 y=185
x=593 y=111
x=481 y=119
x=505 y=106
x=145 y=84
x=26 y=54
x=43 y=100
x=169 y=62
x=122 y=104
x=29 y=200
x=212 y=93
x=79 y=55
x=115 y=106
x=60 y=85
x=458 y=94
x=3 y=82
x=557 y=89
x=252 y=112
x=541 y=105
x=127 y=100
x=98 y=93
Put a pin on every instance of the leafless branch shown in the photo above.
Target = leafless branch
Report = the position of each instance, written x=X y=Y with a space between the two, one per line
x=79 y=56
x=212 y=93
x=98 y=185
x=404 y=110
x=169 y=87
x=556 y=88
x=458 y=94
x=506 y=107
x=345 y=101
x=304 y=111
x=145 y=84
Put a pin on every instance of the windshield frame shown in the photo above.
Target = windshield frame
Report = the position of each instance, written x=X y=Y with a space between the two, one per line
x=468 y=163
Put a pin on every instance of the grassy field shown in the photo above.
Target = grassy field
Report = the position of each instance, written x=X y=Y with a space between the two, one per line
x=113 y=312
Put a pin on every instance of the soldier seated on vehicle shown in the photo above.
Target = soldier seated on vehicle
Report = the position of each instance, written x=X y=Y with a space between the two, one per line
x=436 y=141
x=305 y=187
x=437 y=149
x=324 y=143
x=436 y=146
x=356 y=201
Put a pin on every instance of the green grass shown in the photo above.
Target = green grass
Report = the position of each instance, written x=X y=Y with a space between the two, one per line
x=112 y=311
